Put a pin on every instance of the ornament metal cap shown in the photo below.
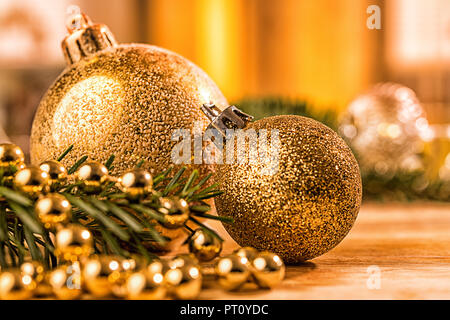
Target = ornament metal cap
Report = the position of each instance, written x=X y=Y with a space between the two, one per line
x=230 y=118
x=85 y=38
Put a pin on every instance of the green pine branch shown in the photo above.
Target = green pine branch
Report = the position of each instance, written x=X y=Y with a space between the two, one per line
x=118 y=225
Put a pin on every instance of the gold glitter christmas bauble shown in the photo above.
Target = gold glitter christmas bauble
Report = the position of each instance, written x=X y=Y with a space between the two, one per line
x=302 y=202
x=121 y=99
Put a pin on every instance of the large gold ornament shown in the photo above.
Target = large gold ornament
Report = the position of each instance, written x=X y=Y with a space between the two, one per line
x=122 y=99
x=302 y=202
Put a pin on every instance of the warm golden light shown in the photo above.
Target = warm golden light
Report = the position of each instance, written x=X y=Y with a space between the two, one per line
x=105 y=94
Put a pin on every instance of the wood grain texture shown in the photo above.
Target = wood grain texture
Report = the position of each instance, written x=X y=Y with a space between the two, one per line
x=410 y=243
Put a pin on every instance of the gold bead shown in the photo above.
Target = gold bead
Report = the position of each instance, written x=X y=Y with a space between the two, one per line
x=184 y=283
x=11 y=156
x=146 y=285
x=175 y=212
x=248 y=253
x=268 y=269
x=204 y=246
x=73 y=242
x=56 y=171
x=184 y=259
x=136 y=183
x=66 y=282
x=92 y=176
x=101 y=273
x=232 y=272
x=52 y=210
x=37 y=272
x=32 y=181
x=14 y=285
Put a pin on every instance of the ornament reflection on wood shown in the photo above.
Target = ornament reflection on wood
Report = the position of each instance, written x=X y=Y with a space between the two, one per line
x=296 y=194
x=386 y=127
x=125 y=99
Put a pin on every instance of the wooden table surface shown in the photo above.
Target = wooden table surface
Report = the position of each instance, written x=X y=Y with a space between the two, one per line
x=408 y=243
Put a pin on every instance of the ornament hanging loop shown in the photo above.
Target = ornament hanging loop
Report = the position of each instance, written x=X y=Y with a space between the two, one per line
x=230 y=119
x=77 y=21
x=85 y=38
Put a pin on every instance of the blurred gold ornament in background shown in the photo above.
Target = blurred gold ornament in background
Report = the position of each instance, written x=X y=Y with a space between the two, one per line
x=387 y=127
x=125 y=99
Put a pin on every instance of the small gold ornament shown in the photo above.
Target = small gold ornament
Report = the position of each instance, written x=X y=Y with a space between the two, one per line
x=175 y=212
x=268 y=270
x=52 y=210
x=125 y=99
x=57 y=173
x=32 y=181
x=66 y=282
x=136 y=183
x=37 y=272
x=146 y=285
x=184 y=283
x=92 y=177
x=204 y=246
x=14 y=285
x=73 y=242
x=248 y=253
x=232 y=272
x=11 y=156
x=298 y=194
x=101 y=273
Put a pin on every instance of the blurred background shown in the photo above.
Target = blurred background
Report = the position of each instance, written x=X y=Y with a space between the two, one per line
x=313 y=56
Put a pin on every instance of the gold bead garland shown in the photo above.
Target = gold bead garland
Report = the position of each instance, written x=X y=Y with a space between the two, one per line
x=107 y=276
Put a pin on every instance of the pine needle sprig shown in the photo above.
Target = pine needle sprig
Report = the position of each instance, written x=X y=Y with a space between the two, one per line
x=119 y=226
